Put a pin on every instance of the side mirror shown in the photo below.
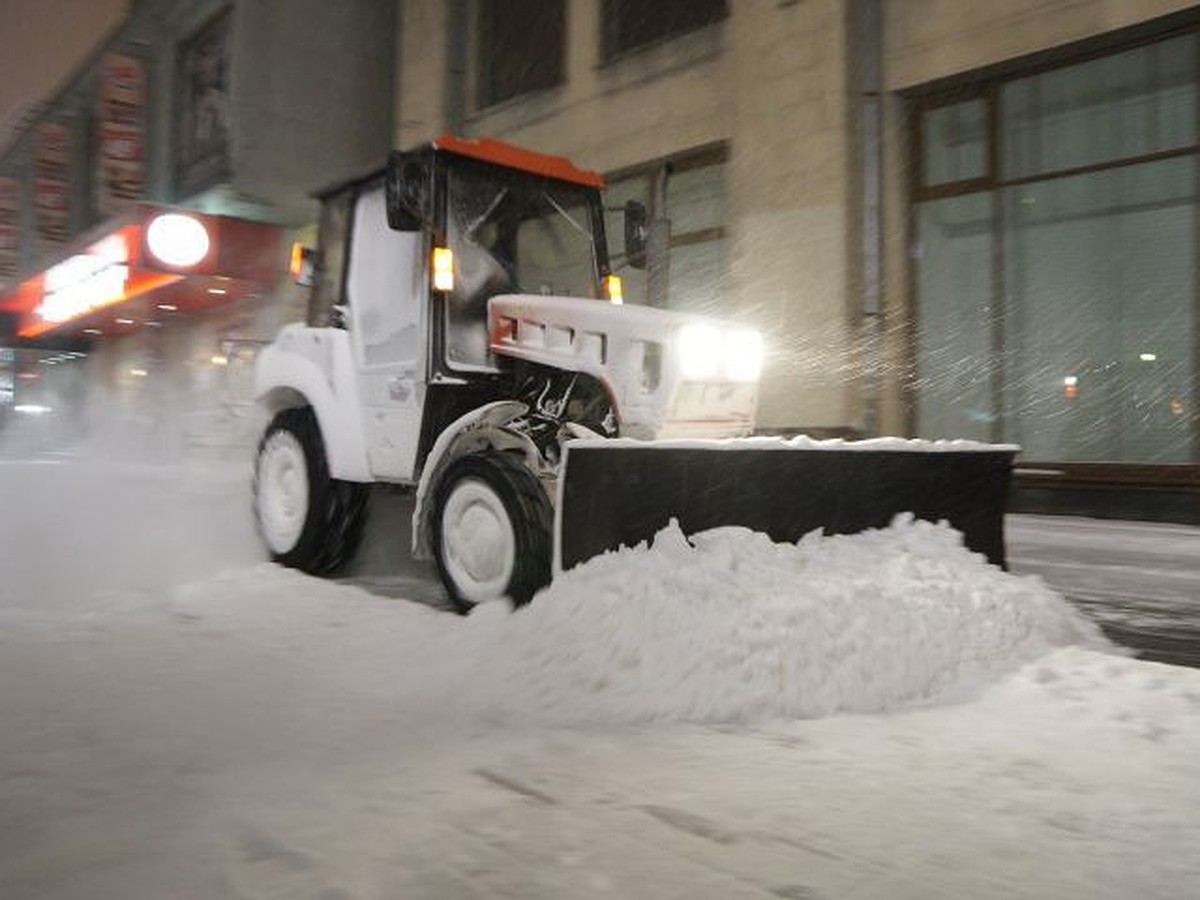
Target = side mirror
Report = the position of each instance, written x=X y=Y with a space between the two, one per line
x=636 y=234
x=406 y=187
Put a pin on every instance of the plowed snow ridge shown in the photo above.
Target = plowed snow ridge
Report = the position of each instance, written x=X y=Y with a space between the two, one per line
x=731 y=627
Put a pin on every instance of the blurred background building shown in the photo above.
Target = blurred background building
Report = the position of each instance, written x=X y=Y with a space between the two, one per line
x=233 y=111
x=952 y=220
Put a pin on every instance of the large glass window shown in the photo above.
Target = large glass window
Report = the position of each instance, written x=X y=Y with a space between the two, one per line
x=1100 y=323
x=954 y=340
x=687 y=251
x=1057 y=260
x=520 y=47
x=1132 y=104
x=955 y=138
x=631 y=24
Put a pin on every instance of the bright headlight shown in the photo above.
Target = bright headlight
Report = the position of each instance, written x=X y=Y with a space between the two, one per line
x=707 y=353
x=743 y=354
x=699 y=351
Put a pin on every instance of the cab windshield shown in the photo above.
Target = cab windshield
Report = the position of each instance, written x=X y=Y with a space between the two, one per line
x=513 y=232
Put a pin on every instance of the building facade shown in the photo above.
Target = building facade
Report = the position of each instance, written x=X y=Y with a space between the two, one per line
x=951 y=220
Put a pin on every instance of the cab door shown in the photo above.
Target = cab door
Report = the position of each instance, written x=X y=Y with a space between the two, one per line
x=386 y=294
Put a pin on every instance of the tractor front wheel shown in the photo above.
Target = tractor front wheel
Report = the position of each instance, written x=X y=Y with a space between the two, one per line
x=492 y=524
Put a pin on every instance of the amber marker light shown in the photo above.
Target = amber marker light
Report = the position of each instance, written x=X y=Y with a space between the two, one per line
x=297 y=259
x=443 y=269
x=612 y=289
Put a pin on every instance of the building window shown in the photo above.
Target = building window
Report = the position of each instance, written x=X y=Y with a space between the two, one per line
x=631 y=24
x=521 y=47
x=688 y=248
x=1056 y=274
x=202 y=149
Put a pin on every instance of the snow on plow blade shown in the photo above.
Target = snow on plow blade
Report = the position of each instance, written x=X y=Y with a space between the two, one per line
x=621 y=492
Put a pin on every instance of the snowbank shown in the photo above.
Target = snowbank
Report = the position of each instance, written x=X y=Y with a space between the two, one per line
x=730 y=627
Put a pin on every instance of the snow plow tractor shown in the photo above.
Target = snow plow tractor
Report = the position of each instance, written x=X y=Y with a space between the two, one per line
x=466 y=337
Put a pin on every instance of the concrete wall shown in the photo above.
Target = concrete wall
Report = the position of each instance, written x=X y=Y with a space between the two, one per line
x=313 y=96
x=790 y=204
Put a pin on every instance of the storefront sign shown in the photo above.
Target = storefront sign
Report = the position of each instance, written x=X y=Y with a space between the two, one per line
x=85 y=281
x=51 y=184
x=121 y=153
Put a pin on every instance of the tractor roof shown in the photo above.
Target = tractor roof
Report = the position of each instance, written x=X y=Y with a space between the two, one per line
x=514 y=157
x=487 y=150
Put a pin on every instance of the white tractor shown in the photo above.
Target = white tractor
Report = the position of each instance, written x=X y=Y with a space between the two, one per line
x=465 y=325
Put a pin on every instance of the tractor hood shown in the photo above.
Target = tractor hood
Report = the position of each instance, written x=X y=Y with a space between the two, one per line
x=670 y=374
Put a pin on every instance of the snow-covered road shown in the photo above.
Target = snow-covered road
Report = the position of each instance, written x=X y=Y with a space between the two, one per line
x=1139 y=580
x=877 y=716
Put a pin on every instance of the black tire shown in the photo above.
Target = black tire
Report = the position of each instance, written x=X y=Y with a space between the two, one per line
x=323 y=530
x=486 y=487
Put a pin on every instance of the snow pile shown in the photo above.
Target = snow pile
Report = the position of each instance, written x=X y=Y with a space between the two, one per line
x=728 y=626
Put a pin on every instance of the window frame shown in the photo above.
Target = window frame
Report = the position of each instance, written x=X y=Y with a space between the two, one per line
x=986 y=85
x=648 y=174
x=486 y=94
x=610 y=13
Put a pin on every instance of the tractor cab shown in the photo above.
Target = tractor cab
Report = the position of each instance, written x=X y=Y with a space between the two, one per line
x=502 y=220
x=442 y=230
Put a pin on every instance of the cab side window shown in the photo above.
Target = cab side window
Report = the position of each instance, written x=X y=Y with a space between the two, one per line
x=330 y=265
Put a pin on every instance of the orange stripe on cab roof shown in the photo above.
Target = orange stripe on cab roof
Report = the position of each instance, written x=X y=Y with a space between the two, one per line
x=494 y=151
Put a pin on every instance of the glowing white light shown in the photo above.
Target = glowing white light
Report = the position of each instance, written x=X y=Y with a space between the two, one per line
x=124 y=321
x=32 y=409
x=706 y=352
x=699 y=351
x=178 y=240
x=138 y=373
x=1071 y=380
x=219 y=359
x=168 y=307
x=744 y=354
x=216 y=290
x=1148 y=357
x=79 y=284
x=92 y=331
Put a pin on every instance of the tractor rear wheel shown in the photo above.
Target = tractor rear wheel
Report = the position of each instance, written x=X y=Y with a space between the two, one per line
x=492 y=524
x=308 y=520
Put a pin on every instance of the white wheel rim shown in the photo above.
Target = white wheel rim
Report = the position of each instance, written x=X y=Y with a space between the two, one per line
x=479 y=544
x=282 y=491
